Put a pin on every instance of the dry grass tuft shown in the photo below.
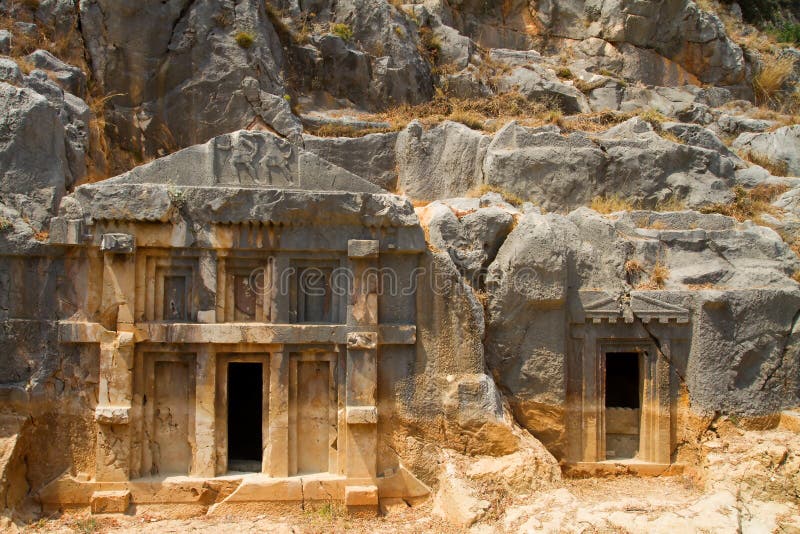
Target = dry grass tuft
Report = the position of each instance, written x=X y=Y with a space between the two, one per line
x=633 y=267
x=671 y=203
x=343 y=31
x=606 y=204
x=769 y=81
x=471 y=119
x=593 y=122
x=746 y=204
x=345 y=130
x=767 y=192
x=503 y=108
x=775 y=168
x=671 y=137
x=655 y=118
x=658 y=278
x=508 y=196
x=796 y=276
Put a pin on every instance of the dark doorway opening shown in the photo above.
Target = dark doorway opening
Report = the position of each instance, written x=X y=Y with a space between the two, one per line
x=245 y=406
x=622 y=380
x=623 y=393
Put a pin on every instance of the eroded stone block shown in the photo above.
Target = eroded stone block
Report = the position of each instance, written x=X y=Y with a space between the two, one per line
x=112 y=415
x=118 y=243
x=361 y=496
x=362 y=340
x=110 y=502
x=362 y=415
x=363 y=248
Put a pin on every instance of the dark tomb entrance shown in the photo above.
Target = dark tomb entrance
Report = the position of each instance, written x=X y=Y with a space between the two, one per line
x=245 y=390
x=623 y=387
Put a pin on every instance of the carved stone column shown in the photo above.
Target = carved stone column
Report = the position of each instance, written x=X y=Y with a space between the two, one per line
x=205 y=454
x=361 y=376
x=276 y=457
x=115 y=390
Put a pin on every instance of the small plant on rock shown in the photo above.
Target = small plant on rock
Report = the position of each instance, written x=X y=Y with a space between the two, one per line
x=508 y=196
x=343 y=31
x=5 y=224
x=564 y=73
x=245 y=39
x=177 y=197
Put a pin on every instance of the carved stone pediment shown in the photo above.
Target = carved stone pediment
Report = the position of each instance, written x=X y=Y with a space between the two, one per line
x=648 y=307
x=598 y=306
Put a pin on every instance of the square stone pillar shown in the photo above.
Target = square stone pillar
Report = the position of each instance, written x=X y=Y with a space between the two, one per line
x=119 y=282
x=114 y=406
x=276 y=455
x=204 y=460
x=115 y=390
x=361 y=375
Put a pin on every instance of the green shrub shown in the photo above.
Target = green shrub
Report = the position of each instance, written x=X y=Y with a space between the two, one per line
x=245 y=39
x=342 y=31
x=788 y=33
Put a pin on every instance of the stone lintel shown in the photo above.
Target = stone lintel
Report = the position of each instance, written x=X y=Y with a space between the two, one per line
x=362 y=415
x=230 y=333
x=363 y=248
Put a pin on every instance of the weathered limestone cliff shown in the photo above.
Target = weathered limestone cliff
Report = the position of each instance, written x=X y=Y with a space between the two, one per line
x=439 y=256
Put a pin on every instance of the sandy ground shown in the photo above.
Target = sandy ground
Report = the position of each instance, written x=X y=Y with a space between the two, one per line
x=749 y=482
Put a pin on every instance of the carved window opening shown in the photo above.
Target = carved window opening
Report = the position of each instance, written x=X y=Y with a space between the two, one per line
x=314 y=298
x=167 y=285
x=623 y=400
x=175 y=298
x=245 y=416
x=246 y=286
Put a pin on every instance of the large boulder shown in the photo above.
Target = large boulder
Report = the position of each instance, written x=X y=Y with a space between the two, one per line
x=33 y=157
x=470 y=231
x=780 y=149
x=371 y=157
x=539 y=83
x=439 y=162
